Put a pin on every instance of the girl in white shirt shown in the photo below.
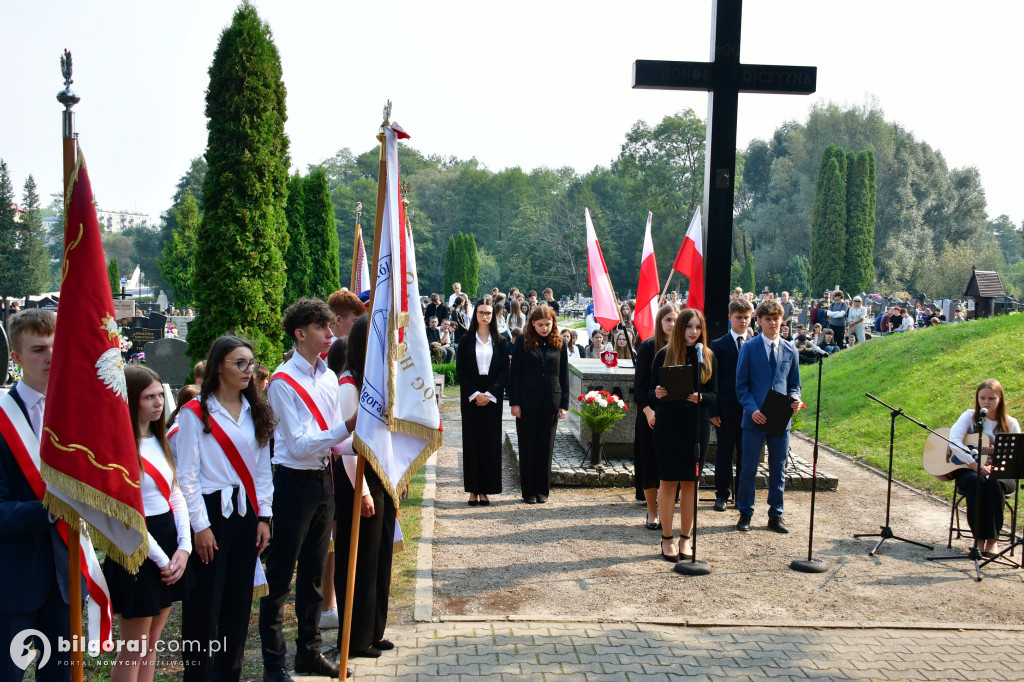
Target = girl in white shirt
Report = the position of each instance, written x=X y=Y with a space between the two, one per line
x=985 y=529
x=143 y=601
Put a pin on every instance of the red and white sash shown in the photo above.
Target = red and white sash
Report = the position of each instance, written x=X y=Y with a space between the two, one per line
x=22 y=441
x=243 y=460
x=304 y=395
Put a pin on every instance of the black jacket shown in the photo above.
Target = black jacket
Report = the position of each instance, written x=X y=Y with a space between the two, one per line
x=470 y=379
x=539 y=378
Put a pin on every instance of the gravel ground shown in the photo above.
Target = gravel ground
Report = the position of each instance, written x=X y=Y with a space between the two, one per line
x=586 y=555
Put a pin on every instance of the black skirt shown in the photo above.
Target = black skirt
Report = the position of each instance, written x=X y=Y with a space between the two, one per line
x=144 y=594
x=675 y=434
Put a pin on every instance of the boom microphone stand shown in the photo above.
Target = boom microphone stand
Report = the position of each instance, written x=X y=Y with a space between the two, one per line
x=811 y=565
x=886 y=533
x=694 y=567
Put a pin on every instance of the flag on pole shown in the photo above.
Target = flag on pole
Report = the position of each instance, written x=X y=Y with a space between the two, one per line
x=399 y=425
x=605 y=311
x=89 y=460
x=690 y=262
x=648 y=290
x=360 y=268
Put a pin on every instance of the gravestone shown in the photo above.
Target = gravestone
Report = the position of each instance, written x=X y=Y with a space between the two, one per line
x=723 y=78
x=45 y=303
x=124 y=308
x=167 y=358
x=181 y=322
x=157 y=321
x=590 y=374
x=139 y=332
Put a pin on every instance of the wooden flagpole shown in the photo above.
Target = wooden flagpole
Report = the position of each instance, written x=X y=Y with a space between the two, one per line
x=355 y=249
x=661 y=299
x=70 y=99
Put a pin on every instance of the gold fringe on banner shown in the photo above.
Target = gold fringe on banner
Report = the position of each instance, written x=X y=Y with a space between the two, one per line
x=260 y=591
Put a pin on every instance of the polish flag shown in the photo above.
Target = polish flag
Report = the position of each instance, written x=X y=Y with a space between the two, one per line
x=690 y=262
x=648 y=291
x=605 y=311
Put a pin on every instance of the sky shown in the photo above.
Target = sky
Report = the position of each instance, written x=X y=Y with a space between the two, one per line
x=528 y=83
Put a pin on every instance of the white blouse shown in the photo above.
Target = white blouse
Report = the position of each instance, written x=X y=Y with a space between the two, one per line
x=484 y=354
x=965 y=426
x=154 y=504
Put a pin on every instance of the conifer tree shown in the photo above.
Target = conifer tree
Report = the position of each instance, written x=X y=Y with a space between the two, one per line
x=471 y=277
x=240 y=276
x=9 y=270
x=114 y=275
x=321 y=234
x=34 y=256
x=298 y=266
x=860 y=229
x=450 y=276
x=178 y=260
x=747 y=274
x=828 y=236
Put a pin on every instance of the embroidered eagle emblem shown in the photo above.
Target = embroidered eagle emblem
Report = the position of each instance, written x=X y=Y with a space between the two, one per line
x=110 y=370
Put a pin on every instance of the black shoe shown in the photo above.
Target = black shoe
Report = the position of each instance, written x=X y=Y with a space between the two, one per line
x=473 y=503
x=775 y=523
x=541 y=499
x=661 y=550
x=484 y=503
x=276 y=675
x=530 y=499
x=316 y=666
x=651 y=526
x=384 y=645
x=368 y=652
x=720 y=504
x=744 y=523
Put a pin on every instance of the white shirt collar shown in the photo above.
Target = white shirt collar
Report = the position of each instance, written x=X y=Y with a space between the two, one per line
x=303 y=367
x=768 y=343
x=213 y=405
x=29 y=395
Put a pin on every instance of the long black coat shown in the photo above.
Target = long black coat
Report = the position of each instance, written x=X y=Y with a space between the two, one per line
x=539 y=377
x=481 y=426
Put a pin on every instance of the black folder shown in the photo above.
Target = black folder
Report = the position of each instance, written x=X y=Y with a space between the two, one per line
x=677 y=380
x=778 y=407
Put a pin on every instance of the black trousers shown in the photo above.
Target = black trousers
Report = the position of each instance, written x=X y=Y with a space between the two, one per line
x=52 y=620
x=303 y=512
x=374 y=556
x=990 y=514
x=220 y=602
x=840 y=335
x=728 y=451
x=536 y=432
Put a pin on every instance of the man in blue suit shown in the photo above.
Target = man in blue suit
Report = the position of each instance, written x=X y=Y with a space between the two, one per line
x=726 y=412
x=766 y=362
x=33 y=558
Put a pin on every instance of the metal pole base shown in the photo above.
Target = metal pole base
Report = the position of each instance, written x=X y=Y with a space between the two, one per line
x=692 y=568
x=887 y=534
x=809 y=565
x=974 y=555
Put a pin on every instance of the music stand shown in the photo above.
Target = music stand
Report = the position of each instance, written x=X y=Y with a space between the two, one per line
x=1008 y=462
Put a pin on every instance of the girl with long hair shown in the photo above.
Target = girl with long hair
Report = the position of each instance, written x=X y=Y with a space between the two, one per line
x=644 y=461
x=989 y=507
x=539 y=397
x=516 y=319
x=460 y=317
x=680 y=424
x=143 y=601
x=231 y=529
x=482 y=365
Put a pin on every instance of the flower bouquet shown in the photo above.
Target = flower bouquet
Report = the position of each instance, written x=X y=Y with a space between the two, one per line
x=600 y=410
x=171 y=331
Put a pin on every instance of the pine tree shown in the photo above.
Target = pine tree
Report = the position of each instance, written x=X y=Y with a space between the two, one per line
x=178 y=260
x=747 y=274
x=114 y=275
x=240 y=276
x=321 y=234
x=296 y=257
x=9 y=270
x=828 y=237
x=450 y=276
x=860 y=230
x=471 y=278
x=797 y=276
x=34 y=257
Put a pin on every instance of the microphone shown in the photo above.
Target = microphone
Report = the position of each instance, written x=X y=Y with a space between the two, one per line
x=819 y=351
x=700 y=353
x=982 y=413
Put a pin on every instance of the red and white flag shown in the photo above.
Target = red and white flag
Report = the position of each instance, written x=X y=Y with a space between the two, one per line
x=89 y=460
x=690 y=262
x=360 y=268
x=648 y=290
x=605 y=311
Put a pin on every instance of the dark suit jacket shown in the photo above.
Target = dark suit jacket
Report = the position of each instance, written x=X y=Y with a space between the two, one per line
x=754 y=378
x=470 y=379
x=539 y=378
x=31 y=550
x=727 y=353
x=434 y=335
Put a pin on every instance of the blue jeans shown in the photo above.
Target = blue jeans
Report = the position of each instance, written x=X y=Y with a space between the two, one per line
x=778 y=449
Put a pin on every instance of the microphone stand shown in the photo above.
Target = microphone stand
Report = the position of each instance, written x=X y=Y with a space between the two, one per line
x=975 y=553
x=886 y=533
x=811 y=565
x=694 y=567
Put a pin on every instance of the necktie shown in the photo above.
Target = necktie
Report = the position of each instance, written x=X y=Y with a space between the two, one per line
x=772 y=362
x=739 y=342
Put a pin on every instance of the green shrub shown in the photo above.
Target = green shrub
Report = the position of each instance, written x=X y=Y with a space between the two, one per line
x=448 y=370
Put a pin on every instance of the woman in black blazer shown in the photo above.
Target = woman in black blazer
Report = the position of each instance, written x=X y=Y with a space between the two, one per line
x=538 y=391
x=482 y=366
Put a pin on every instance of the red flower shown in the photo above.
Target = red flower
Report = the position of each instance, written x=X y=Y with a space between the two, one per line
x=625 y=407
x=581 y=397
x=590 y=400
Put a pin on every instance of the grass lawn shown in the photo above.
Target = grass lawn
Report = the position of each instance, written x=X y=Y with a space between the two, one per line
x=931 y=374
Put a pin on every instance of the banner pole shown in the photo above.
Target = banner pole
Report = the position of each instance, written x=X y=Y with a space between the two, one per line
x=355 y=249
x=661 y=299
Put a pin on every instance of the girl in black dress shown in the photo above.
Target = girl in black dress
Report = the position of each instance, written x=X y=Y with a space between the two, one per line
x=143 y=601
x=644 y=463
x=482 y=366
x=678 y=426
x=538 y=391
x=460 y=317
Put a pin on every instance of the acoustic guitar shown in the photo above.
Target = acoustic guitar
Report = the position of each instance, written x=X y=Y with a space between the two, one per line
x=938 y=454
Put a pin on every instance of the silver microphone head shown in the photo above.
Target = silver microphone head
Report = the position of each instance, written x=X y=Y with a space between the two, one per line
x=983 y=412
x=700 y=352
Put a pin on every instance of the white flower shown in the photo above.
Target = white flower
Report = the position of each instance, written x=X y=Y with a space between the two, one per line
x=602 y=402
x=621 y=404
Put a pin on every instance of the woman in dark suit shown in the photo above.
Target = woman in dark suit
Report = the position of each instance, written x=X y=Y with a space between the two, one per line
x=482 y=366
x=538 y=391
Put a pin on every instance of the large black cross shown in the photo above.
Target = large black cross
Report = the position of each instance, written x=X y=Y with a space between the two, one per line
x=724 y=77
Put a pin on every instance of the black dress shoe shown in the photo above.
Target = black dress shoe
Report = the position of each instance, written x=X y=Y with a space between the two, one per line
x=384 y=645
x=484 y=503
x=316 y=666
x=276 y=675
x=530 y=499
x=541 y=499
x=720 y=504
x=473 y=503
x=368 y=652
x=775 y=523
x=744 y=523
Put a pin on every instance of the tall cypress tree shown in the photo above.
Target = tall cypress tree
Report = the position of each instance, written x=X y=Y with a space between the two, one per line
x=178 y=260
x=296 y=256
x=828 y=237
x=471 y=278
x=240 y=276
x=747 y=274
x=9 y=270
x=450 y=276
x=34 y=256
x=321 y=234
x=860 y=230
x=114 y=275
